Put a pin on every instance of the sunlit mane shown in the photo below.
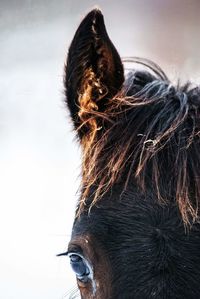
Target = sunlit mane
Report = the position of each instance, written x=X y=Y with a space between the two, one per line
x=152 y=135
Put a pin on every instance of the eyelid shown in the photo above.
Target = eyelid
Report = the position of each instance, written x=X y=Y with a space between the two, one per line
x=73 y=249
x=77 y=254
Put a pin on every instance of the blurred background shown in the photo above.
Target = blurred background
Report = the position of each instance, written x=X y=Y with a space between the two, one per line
x=39 y=158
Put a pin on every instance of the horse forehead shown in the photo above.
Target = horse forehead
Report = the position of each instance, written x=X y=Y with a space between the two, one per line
x=127 y=218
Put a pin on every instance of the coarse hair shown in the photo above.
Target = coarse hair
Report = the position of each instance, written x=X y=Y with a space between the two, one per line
x=148 y=133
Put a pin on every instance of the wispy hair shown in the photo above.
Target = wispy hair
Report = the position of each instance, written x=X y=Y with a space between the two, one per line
x=148 y=135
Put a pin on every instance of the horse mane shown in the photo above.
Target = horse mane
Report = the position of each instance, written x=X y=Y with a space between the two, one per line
x=148 y=134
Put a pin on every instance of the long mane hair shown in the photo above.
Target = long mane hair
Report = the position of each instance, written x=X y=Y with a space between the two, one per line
x=151 y=138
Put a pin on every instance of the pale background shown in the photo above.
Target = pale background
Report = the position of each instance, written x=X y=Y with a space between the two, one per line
x=39 y=160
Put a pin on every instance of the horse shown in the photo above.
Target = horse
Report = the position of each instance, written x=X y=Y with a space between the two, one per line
x=136 y=233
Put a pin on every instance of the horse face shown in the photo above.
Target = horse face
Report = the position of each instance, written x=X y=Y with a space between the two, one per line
x=123 y=244
x=139 y=170
x=130 y=246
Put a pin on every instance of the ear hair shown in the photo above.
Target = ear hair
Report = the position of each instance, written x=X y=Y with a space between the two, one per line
x=93 y=72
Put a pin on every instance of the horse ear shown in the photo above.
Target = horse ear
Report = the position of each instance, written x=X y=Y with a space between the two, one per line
x=93 y=71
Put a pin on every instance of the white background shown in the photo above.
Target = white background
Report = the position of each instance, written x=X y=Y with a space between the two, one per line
x=39 y=160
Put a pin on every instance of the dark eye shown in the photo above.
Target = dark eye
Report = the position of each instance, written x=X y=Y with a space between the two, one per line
x=80 y=267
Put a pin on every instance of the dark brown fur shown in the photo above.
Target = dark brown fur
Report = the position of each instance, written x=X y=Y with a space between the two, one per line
x=140 y=193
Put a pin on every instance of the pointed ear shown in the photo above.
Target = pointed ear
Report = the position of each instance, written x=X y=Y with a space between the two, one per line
x=93 y=72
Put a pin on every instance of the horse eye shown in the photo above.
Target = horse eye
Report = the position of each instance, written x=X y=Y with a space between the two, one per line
x=80 y=267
